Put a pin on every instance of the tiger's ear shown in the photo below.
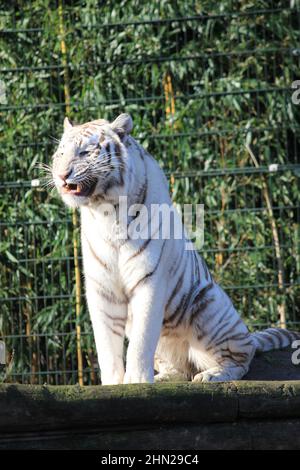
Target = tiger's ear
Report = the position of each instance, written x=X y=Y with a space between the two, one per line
x=123 y=125
x=67 y=124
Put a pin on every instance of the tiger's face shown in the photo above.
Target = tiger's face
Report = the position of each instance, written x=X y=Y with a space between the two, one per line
x=89 y=159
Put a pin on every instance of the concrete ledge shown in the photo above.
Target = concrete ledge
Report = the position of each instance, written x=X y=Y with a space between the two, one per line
x=237 y=415
x=162 y=416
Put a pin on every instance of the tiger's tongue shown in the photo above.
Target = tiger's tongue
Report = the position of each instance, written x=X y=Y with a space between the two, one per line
x=72 y=189
x=75 y=189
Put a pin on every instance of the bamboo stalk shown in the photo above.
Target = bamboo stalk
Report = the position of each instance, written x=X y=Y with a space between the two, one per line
x=74 y=214
x=221 y=223
x=31 y=342
x=169 y=97
x=77 y=296
x=280 y=266
x=170 y=111
x=91 y=366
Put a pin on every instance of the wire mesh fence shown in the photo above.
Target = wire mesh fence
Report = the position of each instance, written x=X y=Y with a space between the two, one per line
x=202 y=80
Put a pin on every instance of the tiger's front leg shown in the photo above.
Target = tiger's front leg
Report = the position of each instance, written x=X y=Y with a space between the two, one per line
x=147 y=309
x=108 y=315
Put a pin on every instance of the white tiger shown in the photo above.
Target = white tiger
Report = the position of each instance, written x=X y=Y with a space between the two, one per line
x=153 y=290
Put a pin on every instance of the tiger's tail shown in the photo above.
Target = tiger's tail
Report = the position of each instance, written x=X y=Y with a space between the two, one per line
x=273 y=338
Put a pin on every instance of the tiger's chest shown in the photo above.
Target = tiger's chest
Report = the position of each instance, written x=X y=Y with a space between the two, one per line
x=110 y=256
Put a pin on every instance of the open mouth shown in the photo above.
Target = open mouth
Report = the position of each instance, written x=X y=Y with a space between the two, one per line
x=78 y=189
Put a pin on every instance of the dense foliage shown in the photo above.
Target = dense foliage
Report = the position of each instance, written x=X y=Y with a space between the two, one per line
x=201 y=79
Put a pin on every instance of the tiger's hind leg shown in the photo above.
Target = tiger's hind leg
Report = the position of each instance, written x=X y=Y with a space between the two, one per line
x=230 y=364
x=225 y=373
x=223 y=360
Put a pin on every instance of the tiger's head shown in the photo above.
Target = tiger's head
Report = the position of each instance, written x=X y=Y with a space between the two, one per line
x=90 y=159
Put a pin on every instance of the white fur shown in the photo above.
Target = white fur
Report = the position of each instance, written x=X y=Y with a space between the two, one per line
x=195 y=341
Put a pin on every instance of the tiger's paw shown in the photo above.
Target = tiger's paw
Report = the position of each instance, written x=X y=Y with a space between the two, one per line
x=212 y=375
x=136 y=377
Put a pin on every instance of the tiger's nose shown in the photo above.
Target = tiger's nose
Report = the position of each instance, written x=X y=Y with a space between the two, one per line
x=64 y=176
